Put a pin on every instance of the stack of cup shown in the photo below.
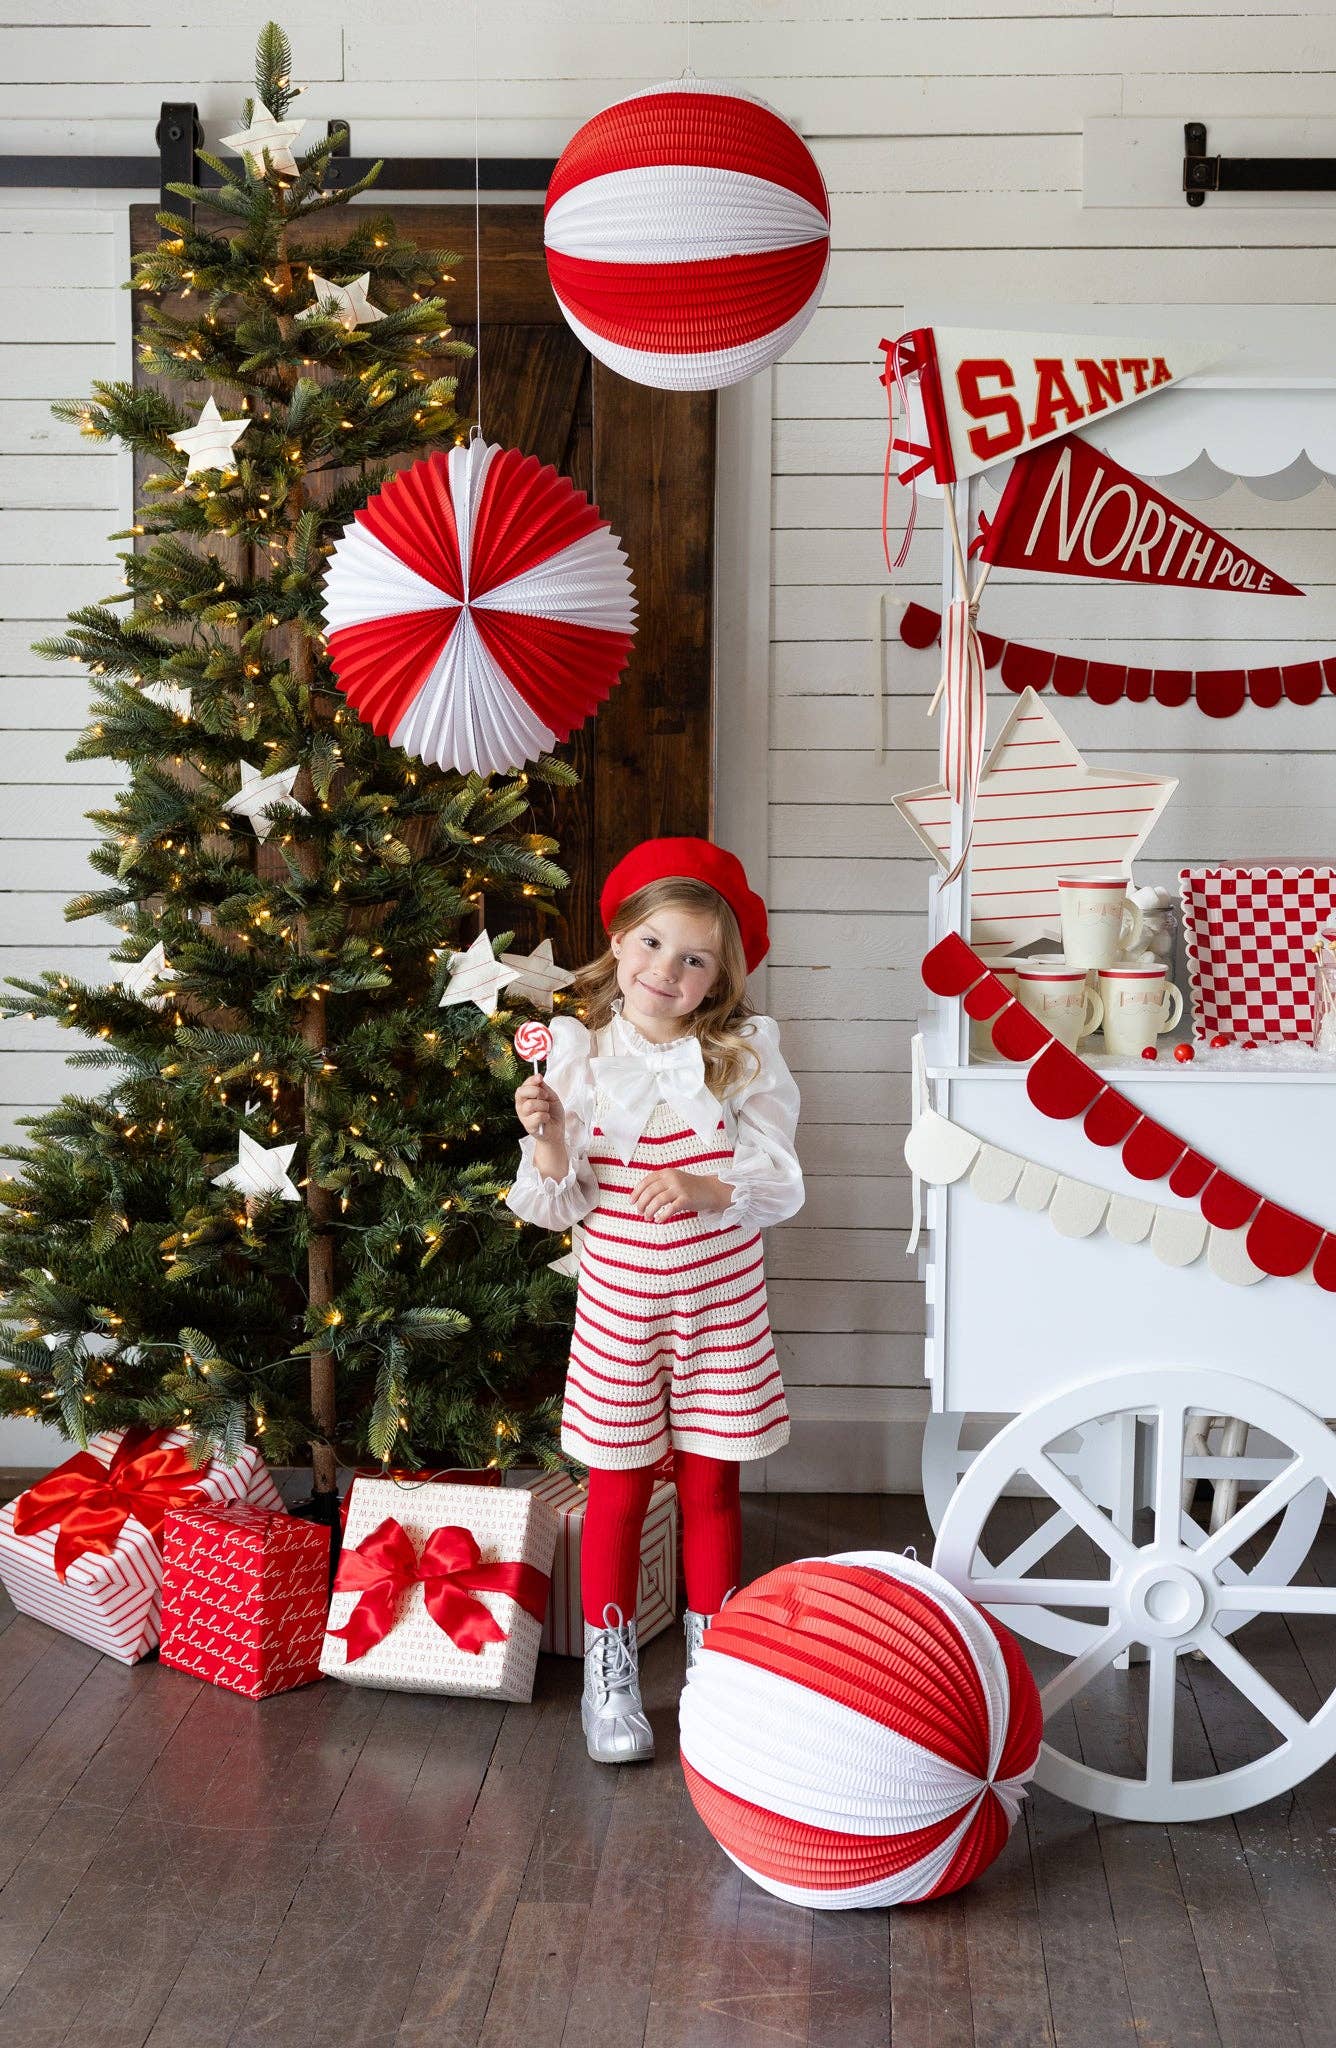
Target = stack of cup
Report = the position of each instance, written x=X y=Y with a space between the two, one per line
x=1093 y=982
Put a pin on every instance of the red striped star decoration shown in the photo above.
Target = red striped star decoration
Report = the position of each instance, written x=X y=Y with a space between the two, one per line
x=1040 y=813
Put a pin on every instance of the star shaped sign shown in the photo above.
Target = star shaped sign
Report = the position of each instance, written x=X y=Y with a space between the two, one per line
x=477 y=977
x=350 y=305
x=139 y=977
x=536 y=975
x=264 y=136
x=258 y=1173
x=209 y=443
x=1040 y=813
x=260 y=793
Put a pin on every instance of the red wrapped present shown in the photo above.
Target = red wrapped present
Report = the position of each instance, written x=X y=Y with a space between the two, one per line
x=245 y=1592
x=441 y=1589
x=443 y=1475
x=82 y=1548
x=656 y=1597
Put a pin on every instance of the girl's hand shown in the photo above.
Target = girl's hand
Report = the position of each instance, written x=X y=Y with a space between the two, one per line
x=663 y=1197
x=538 y=1107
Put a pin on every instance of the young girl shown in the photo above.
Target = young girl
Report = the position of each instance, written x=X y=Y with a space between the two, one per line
x=665 y=1126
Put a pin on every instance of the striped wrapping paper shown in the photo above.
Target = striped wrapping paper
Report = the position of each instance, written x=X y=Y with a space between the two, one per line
x=656 y=1599
x=113 y=1603
x=1040 y=812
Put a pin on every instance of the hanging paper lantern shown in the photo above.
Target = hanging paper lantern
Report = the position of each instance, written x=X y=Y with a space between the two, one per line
x=688 y=235
x=855 y=1732
x=478 y=609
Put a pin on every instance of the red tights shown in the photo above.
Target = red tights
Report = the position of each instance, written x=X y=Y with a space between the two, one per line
x=707 y=1498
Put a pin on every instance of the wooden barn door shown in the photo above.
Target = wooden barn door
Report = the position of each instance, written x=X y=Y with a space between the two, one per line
x=647 y=457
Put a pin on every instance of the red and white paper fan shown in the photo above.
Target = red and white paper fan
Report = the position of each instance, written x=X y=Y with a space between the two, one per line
x=855 y=1732
x=688 y=235
x=478 y=609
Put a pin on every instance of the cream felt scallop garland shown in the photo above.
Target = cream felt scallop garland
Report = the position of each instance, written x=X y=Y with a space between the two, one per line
x=943 y=1153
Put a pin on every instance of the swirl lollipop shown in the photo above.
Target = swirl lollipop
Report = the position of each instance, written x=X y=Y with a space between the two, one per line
x=533 y=1041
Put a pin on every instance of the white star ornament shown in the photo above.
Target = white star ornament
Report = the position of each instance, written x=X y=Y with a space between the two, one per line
x=260 y=793
x=209 y=443
x=476 y=977
x=138 y=977
x=266 y=135
x=258 y=1173
x=350 y=305
x=536 y=975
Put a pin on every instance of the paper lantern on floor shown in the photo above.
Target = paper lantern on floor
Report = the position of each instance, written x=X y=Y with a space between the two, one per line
x=857 y=1733
x=478 y=609
x=688 y=235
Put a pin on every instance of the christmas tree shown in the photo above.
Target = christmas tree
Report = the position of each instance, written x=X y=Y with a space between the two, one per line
x=290 y=889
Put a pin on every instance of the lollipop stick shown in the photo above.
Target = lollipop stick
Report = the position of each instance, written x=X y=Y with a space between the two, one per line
x=542 y=1128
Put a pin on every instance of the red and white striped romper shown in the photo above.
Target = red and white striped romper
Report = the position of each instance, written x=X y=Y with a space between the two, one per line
x=672 y=1348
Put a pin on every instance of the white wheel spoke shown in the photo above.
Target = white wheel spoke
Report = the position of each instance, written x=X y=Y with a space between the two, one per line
x=1028 y=1554
x=1255 y=1513
x=1000 y=1592
x=1161 y=1699
x=1082 y=1669
x=1082 y=1510
x=1245 y=1595
x=1169 y=1501
x=1248 y=1680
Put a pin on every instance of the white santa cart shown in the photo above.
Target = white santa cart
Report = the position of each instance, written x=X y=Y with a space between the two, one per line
x=1146 y=1517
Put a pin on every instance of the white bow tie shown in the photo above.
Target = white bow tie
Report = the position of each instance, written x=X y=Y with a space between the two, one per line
x=630 y=1087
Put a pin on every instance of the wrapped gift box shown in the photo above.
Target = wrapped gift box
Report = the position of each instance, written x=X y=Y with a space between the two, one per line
x=656 y=1599
x=245 y=1594
x=441 y=1589
x=81 y=1549
x=446 y=1475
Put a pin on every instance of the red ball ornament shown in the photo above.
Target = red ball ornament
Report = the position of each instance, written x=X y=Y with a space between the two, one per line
x=1183 y=1053
x=855 y=1732
x=1250 y=1045
x=478 y=609
x=1149 y=1052
x=1222 y=1038
x=688 y=235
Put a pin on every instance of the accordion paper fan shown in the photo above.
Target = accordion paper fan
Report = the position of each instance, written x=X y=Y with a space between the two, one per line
x=688 y=235
x=855 y=1732
x=478 y=609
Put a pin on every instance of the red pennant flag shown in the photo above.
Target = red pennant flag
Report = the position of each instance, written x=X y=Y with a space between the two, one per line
x=1069 y=510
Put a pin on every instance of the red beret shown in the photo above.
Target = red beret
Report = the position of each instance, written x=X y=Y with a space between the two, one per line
x=698 y=860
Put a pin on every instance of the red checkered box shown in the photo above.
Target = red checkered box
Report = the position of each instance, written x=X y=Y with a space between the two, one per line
x=1249 y=935
x=244 y=1597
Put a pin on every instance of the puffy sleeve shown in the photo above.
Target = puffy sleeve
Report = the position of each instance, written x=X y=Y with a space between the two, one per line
x=766 y=1178
x=557 y=1204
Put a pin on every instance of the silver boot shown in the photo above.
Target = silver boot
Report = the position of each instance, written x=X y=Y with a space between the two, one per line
x=693 y=1627
x=612 y=1713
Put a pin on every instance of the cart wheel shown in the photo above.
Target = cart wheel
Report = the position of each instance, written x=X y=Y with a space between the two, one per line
x=1171 y=1587
x=1093 y=1454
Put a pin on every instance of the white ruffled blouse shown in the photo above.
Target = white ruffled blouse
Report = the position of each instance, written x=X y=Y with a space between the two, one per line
x=628 y=1082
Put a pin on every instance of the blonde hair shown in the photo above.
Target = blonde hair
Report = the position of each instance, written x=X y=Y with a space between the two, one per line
x=720 y=1020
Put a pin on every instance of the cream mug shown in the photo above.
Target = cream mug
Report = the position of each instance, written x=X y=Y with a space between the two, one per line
x=1058 y=994
x=1140 y=1005
x=1099 y=921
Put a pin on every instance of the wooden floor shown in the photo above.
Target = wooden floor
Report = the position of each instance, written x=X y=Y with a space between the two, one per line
x=180 y=1868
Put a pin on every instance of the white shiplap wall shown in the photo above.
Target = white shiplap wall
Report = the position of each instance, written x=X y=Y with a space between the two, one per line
x=950 y=136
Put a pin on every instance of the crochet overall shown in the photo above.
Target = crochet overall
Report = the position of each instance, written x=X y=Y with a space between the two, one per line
x=672 y=1347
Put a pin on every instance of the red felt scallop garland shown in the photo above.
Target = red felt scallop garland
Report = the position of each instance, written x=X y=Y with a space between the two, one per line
x=1062 y=1085
x=1218 y=692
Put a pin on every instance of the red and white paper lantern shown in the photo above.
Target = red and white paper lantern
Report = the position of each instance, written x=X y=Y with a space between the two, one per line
x=478 y=609
x=855 y=1732
x=688 y=235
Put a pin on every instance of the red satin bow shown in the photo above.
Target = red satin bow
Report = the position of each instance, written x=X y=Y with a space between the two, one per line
x=92 y=1502
x=384 y=1565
